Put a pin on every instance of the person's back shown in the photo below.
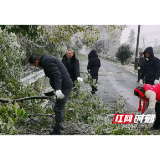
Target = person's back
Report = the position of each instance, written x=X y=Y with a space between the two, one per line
x=93 y=64
x=154 y=88
x=51 y=64
x=150 y=93
x=93 y=67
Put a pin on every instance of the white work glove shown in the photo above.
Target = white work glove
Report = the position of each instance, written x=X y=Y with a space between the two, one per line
x=141 y=81
x=79 y=79
x=147 y=59
x=139 y=68
x=156 y=81
x=59 y=94
x=88 y=72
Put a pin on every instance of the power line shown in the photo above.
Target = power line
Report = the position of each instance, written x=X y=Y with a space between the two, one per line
x=153 y=32
x=153 y=41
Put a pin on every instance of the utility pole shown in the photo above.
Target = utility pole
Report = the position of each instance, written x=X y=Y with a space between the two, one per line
x=136 y=53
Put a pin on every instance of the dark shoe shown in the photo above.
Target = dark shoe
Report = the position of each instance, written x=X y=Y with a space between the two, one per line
x=92 y=92
x=154 y=129
x=56 y=130
x=54 y=134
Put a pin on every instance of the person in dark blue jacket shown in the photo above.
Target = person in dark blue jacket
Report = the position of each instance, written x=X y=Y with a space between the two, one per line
x=93 y=67
x=140 y=65
x=59 y=80
x=151 y=69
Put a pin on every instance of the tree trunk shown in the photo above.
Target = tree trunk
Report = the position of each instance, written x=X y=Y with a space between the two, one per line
x=28 y=54
x=122 y=62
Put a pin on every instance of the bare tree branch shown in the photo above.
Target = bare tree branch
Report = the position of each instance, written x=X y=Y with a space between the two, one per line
x=40 y=115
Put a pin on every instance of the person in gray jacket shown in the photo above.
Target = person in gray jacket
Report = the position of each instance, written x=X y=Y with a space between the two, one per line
x=59 y=80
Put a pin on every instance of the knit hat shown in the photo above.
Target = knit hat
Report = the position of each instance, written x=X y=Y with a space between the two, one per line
x=142 y=96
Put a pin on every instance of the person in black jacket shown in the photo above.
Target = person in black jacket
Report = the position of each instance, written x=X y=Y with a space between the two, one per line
x=151 y=69
x=72 y=64
x=93 y=67
x=60 y=82
x=140 y=65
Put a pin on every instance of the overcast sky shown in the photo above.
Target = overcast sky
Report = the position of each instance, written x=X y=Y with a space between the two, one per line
x=150 y=32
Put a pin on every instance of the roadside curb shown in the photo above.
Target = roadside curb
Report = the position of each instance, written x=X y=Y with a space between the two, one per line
x=126 y=67
x=130 y=70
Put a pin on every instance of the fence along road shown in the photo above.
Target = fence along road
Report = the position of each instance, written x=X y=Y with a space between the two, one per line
x=32 y=78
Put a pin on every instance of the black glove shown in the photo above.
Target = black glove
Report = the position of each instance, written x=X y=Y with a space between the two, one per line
x=49 y=93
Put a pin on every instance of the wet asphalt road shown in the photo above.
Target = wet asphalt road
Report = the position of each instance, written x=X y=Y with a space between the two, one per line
x=116 y=83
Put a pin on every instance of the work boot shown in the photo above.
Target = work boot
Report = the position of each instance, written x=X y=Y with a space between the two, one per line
x=154 y=129
x=92 y=92
x=95 y=89
x=56 y=130
x=58 y=126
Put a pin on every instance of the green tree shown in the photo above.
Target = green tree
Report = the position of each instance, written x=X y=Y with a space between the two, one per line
x=32 y=31
x=123 y=53
x=131 y=38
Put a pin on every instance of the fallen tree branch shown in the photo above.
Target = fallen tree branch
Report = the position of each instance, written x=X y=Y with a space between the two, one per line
x=26 y=98
x=32 y=130
x=40 y=115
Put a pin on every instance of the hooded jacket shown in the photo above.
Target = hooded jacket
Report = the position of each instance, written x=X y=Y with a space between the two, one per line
x=55 y=71
x=151 y=69
x=93 y=64
x=72 y=66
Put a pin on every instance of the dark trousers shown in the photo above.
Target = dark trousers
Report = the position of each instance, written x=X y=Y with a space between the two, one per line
x=60 y=104
x=75 y=89
x=93 y=87
x=73 y=80
x=139 y=74
x=157 y=120
x=149 y=82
